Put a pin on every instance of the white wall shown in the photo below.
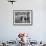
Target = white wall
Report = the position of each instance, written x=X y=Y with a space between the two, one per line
x=38 y=30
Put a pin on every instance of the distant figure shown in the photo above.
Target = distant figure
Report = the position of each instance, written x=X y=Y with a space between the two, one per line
x=21 y=18
x=25 y=19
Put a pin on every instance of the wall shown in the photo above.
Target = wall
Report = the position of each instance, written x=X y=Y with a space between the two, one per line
x=37 y=31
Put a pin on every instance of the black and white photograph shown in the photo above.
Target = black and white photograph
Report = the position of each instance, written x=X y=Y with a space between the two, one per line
x=22 y=16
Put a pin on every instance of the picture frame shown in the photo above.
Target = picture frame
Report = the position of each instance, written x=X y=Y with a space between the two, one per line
x=22 y=17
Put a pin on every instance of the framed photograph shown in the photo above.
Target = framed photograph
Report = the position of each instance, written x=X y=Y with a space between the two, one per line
x=22 y=17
